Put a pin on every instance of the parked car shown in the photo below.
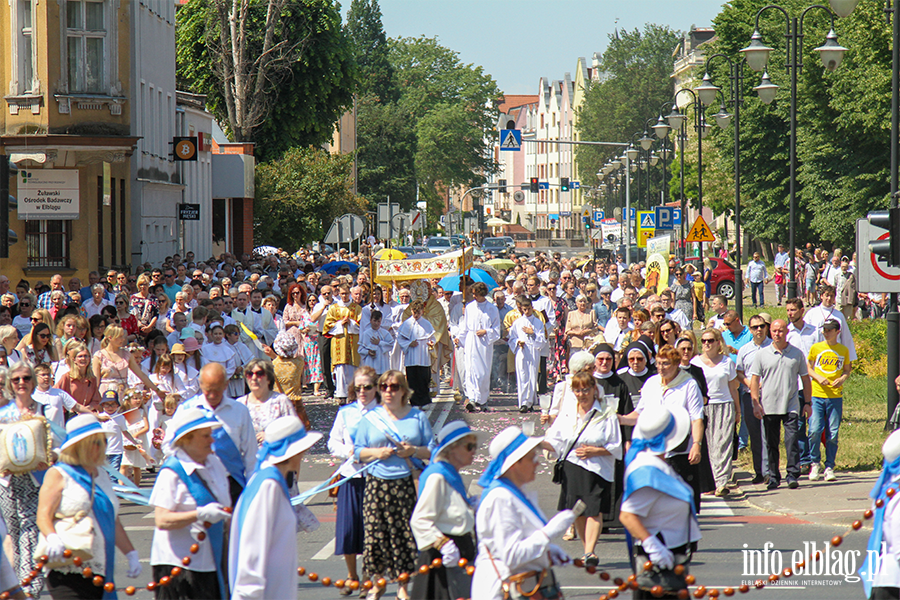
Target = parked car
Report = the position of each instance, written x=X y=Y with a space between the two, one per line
x=439 y=244
x=722 y=274
x=495 y=245
x=510 y=243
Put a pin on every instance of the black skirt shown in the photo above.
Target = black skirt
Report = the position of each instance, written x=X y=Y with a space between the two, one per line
x=580 y=484
x=348 y=526
x=446 y=583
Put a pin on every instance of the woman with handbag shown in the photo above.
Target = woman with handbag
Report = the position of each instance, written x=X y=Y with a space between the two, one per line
x=443 y=521
x=658 y=508
x=514 y=548
x=348 y=532
x=399 y=437
x=587 y=442
x=190 y=496
x=76 y=486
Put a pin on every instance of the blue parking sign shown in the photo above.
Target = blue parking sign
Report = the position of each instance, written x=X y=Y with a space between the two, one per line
x=598 y=215
x=676 y=216
x=664 y=217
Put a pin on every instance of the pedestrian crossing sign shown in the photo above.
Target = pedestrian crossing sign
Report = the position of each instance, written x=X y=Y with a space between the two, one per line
x=646 y=219
x=700 y=232
x=510 y=139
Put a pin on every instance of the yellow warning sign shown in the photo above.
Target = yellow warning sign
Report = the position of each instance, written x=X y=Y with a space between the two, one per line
x=700 y=232
x=643 y=235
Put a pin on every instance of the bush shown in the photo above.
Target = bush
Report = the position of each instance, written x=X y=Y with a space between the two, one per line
x=870 y=339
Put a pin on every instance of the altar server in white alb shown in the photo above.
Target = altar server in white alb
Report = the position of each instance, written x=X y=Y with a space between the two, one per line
x=375 y=344
x=416 y=338
x=480 y=329
x=216 y=350
x=526 y=339
x=262 y=552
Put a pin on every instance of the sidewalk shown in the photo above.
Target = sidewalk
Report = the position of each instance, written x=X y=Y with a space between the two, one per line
x=827 y=503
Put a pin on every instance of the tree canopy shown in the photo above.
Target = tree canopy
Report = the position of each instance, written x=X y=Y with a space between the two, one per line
x=281 y=78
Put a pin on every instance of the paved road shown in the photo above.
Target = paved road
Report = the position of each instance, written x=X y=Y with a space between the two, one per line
x=730 y=528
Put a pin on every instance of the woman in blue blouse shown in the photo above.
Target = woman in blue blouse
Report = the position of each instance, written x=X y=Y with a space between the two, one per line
x=399 y=437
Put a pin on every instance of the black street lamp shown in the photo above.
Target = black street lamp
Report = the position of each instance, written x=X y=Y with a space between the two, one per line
x=757 y=55
x=677 y=120
x=707 y=92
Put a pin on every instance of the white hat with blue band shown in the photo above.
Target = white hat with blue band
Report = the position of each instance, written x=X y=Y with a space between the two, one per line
x=451 y=432
x=81 y=427
x=187 y=420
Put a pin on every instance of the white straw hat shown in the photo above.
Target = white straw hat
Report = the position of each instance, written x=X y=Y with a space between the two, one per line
x=286 y=437
x=508 y=437
x=657 y=419
x=81 y=427
x=187 y=420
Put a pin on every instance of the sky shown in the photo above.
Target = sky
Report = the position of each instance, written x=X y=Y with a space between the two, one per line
x=520 y=41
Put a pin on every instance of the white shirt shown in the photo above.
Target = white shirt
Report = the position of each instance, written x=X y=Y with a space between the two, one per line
x=170 y=492
x=513 y=534
x=115 y=426
x=423 y=332
x=718 y=378
x=262 y=556
x=219 y=353
x=614 y=334
x=686 y=395
x=660 y=512
x=440 y=511
x=817 y=317
x=380 y=341
x=235 y=419
x=91 y=308
x=603 y=431
x=22 y=325
x=55 y=400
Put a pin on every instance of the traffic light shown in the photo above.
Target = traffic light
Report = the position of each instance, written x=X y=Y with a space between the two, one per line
x=564 y=184
x=889 y=249
x=535 y=185
x=501 y=186
x=7 y=202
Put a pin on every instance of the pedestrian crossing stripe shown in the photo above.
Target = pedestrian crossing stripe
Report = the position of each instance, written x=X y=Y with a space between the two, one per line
x=700 y=232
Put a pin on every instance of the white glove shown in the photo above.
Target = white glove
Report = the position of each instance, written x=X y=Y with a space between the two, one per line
x=557 y=555
x=450 y=553
x=55 y=548
x=211 y=513
x=659 y=555
x=558 y=524
x=134 y=564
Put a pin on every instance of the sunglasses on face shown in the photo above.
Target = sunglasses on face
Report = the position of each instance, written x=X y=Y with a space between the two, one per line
x=708 y=340
x=35 y=319
x=755 y=327
x=392 y=387
x=666 y=330
x=23 y=378
x=259 y=374
x=365 y=388
x=24 y=304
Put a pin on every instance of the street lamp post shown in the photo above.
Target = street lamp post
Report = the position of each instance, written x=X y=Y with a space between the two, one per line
x=757 y=55
x=676 y=120
x=708 y=92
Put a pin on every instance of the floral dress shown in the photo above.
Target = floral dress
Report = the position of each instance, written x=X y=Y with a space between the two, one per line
x=556 y=366
x=263 y=413
x=310 y=347
x=144 y=309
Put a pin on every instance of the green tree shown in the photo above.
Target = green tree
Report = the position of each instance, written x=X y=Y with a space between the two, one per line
x=281 y=77
x=452 y=107
x=386 y=150
x=365 y=29
x=299 y=195
x=634 y=81
x=838 y=114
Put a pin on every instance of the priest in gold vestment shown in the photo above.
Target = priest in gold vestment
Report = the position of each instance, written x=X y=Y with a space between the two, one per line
x=342 y=324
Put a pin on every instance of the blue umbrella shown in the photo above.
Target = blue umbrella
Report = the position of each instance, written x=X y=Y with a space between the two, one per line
x=451 y=282
x=333 y=267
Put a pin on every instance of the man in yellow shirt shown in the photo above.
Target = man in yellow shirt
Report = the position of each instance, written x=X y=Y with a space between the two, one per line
x=829 y=367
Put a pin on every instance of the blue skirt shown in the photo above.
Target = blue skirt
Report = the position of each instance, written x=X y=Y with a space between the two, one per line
x=348 y=527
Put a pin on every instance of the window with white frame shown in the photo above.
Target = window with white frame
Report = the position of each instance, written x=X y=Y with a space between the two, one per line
x=26 y=46
x=86 y=34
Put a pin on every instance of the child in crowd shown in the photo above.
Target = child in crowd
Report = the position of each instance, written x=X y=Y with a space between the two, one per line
x=135 y=457
x=242 y=355
x=375 y=345
x=116 y=426
x=57 y=402
x=169 y=406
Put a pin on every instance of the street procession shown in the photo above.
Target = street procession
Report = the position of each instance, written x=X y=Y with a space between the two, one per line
x=318 y=300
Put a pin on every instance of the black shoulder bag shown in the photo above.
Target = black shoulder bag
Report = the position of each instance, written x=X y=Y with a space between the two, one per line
x=558 y=465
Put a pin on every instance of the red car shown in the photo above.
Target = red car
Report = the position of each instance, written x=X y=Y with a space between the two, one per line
x=722 y=275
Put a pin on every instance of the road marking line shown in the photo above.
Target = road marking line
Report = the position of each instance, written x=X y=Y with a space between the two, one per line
x=715 y=507
x=442 y=417
x=141 y=528
x=326 y=552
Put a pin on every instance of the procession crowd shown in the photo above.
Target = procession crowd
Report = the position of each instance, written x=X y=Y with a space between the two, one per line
x=196 y=371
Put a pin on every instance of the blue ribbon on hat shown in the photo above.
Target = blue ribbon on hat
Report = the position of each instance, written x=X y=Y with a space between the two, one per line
x=656 y=444
x=278 y=448
x=94 y=426
x=867 y=571
x=204 y=420
x=492 y=472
